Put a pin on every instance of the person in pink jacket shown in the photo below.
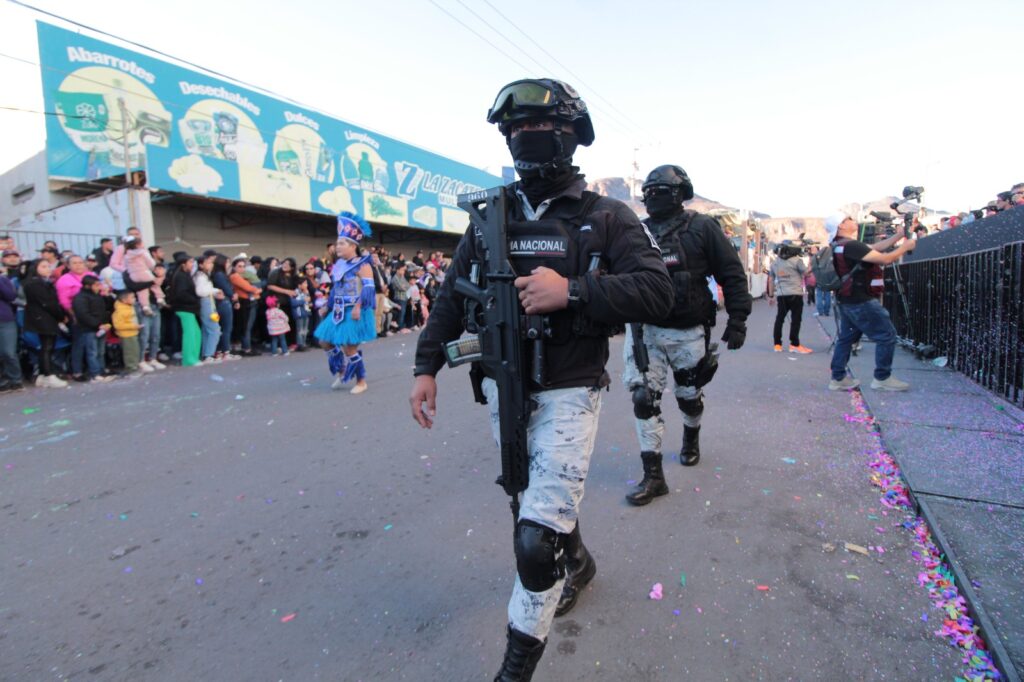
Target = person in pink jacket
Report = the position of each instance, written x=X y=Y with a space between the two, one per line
x=70 y=283
x=138 y=265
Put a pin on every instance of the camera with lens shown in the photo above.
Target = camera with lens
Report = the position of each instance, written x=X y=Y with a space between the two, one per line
x=789 y=248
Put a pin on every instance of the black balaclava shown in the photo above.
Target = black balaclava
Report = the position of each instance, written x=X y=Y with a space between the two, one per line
x=662 y=205
x=543 y=159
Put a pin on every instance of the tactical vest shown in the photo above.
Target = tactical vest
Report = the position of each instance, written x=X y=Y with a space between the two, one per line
x=569 y=246
x=693 y=305
x=875 y=274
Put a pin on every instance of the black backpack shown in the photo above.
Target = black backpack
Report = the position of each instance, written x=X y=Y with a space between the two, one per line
x=824 y=268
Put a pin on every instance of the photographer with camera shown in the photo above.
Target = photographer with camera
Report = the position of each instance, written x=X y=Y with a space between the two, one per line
x=787 y=281
x=860 y=310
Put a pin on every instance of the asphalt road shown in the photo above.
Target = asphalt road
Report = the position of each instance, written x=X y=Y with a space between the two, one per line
x=243 y=522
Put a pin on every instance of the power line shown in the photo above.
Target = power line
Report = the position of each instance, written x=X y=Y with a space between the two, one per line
x=45 y=113
x=567 y=69
x=608 y=119
x=615 y=123
x=474 y=32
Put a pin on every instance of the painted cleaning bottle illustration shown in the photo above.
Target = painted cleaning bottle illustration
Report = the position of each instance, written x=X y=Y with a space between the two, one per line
x=365 y=172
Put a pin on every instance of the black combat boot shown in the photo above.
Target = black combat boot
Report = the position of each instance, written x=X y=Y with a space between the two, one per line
x=690 y=454
x=579 y=570
x=521 y=657
x=653 y=484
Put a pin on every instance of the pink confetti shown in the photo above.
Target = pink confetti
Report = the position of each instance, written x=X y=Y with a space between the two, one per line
x=656 y=592
x=763 y=588
x=289 y=618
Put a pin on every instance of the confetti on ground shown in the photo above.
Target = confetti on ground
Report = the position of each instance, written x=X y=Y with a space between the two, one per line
x=763 y=588
x=30 y=410
x=850 y=547
x=199 y=581
x=195 y=515
x=656 y=592
x=682 y=579
x=239 y=397
x=789 y=460
x=851 y=576
x=216 y=377
x=388 y=527
x=289 y=618
x=958 y=627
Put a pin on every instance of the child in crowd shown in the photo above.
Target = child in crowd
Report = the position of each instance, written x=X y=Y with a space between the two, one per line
x=300 y=313
x=139 y=266
x=127 y=328
x=91 y=325
x=277 y=327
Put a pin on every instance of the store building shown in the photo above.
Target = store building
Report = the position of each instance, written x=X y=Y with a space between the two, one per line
x=212 y=164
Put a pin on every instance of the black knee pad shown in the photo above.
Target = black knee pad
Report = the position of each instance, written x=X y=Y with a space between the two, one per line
x=540 y=556
x=691 y=408
x=645 y=404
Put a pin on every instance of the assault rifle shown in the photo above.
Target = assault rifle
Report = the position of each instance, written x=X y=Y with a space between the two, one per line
x=642 y=395
x=501 y=330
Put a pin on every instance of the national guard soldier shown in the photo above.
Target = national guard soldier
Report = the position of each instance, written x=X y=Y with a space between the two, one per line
x=555 y=227
x=693 y=247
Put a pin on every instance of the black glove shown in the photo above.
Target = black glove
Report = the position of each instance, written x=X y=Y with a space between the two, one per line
x=735 y=333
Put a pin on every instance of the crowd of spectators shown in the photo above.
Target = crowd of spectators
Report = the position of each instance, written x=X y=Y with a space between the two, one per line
x=1004 y=201
x=128 y=309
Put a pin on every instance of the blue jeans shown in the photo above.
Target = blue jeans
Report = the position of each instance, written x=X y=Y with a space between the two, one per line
x=823 y=301
x=149 y=335
x=864 y=319
x=10 y=369
x=278 y=341
x=251 y=307
x=301 y=327
x=84 y=347
x=211 y=330
x=226 y=310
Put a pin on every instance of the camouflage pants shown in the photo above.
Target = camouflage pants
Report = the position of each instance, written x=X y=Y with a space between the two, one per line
x=561 y=436
x=669 y=350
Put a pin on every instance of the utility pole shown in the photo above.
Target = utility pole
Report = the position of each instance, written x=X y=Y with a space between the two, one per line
x=127 y=162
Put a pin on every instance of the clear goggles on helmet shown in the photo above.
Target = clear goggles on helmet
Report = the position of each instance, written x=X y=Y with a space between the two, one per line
x=532 y=94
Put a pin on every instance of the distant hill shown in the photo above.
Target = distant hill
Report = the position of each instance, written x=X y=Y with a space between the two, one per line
x=618 y=188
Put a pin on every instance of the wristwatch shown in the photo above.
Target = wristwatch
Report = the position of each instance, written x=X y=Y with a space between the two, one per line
x=574 y=292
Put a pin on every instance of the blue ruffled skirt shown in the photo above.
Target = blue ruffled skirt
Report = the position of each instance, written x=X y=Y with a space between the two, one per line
x=348 y=332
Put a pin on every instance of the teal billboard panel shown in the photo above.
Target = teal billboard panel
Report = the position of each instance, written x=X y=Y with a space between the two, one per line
x=195 y=134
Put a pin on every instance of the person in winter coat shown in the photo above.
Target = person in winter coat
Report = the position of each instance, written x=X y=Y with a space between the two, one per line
x=44 y=317
x=139 y=264
x=10 y=369
x=91 y=324
x=185 y=303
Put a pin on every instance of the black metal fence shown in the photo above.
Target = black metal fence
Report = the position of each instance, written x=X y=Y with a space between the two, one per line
x=968 y=308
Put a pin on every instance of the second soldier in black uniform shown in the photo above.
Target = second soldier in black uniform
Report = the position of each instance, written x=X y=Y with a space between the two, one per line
x=554 y=228
x=693 y=247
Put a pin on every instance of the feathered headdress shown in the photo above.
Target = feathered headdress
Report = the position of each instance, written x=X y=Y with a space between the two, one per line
x=352 y=226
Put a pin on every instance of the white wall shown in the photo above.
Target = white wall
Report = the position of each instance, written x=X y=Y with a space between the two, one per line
x=79 y=225
x=30 y=180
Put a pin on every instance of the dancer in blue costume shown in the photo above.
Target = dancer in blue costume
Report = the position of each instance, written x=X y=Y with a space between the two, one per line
x=348 y=316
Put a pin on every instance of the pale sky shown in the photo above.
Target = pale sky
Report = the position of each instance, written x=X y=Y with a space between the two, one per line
x=786 y=107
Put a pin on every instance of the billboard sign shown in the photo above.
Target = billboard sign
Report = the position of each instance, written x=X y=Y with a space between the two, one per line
x=195 y=134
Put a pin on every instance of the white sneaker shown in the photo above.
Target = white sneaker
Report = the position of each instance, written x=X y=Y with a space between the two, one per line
x=336 y=384
x=146 y=368
x=890 y=384
x=41 y=381
x=156 y=364
x=136 y=375
x=210 y=361
x=359 y=388
x=100 y=379
x=848 y=383
x=163 y=357
x=176 y=356
x=231 y=357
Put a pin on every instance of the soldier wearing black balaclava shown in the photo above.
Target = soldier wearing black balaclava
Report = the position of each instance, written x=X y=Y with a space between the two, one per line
x=693 y=247
x=555 y=228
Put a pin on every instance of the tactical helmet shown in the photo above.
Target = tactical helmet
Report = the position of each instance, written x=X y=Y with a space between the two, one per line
x=673 y=177
x=541 y=98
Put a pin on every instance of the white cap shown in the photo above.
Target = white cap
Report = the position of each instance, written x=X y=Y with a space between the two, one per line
x=832 y=224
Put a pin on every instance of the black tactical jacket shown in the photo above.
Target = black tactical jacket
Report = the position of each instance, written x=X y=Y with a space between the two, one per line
x=632 y=286
x=694 y=247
